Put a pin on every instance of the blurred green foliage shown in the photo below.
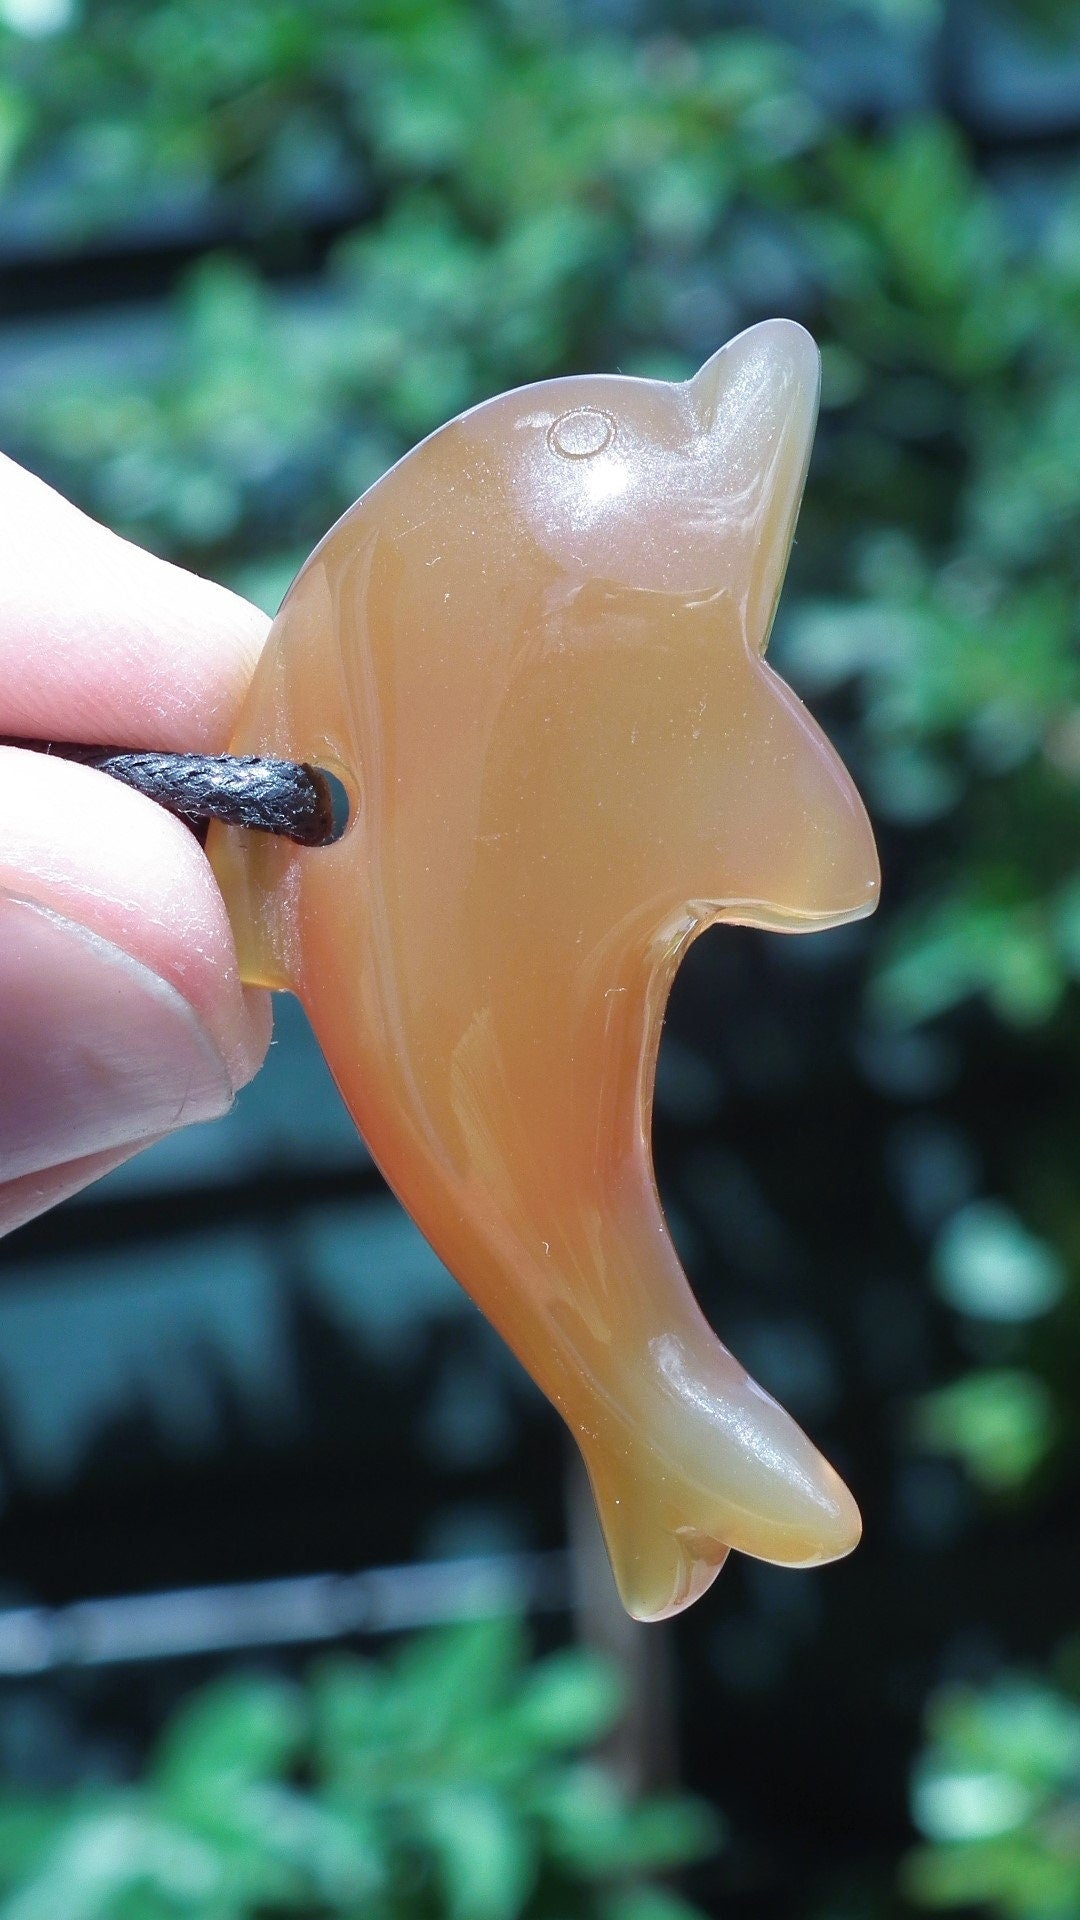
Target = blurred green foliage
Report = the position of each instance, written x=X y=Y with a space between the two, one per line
x=512 y=191
x=549 y=197
x=531 y=195
x=999 y=1421
x=449 y=1782
x=997 y=1798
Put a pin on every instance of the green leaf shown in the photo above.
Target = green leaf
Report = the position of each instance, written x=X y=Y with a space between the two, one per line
x=114 y=1852
x=349 y=1710
x=28 y=1825
x=669 y=1832
x=237 y=1729
x=999 y=1421
x=989 y=1265
x=568 y=1701
x=461 y=1673
x=598 y=1834
x=485 y=1860
x=648 y=1903
x=949 y=1803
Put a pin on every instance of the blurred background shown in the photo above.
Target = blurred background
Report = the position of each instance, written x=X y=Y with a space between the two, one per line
x=256 y=1449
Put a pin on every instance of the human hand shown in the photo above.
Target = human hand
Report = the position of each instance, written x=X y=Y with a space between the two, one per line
x=122 y=1015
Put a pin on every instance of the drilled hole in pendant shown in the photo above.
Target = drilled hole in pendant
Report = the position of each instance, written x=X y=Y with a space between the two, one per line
x=344 y=804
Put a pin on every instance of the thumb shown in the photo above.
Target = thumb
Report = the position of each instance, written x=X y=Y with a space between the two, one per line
x=97 y=1051
x=122 y=1015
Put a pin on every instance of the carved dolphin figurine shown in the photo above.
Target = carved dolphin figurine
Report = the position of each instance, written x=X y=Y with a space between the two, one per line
x=533 y=652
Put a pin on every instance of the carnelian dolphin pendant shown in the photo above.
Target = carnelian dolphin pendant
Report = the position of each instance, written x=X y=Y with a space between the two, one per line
x=533 y=652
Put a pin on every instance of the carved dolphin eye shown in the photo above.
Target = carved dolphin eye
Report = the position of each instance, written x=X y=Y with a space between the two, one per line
x=579 y=434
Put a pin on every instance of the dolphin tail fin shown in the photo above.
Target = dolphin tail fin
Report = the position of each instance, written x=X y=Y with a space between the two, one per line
x=675 y=1495
x=659 y=1568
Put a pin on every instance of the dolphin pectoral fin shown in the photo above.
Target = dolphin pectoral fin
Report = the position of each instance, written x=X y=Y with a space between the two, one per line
x=249 y=868
x=724 y=1467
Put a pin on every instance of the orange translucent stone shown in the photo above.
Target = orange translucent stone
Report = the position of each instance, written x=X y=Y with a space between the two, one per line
x=534 y=654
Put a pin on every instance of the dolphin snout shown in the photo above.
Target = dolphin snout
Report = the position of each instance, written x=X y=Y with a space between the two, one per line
x=765 y=383
x=757 y=401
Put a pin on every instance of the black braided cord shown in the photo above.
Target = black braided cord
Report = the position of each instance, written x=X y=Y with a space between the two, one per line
x=243 y=790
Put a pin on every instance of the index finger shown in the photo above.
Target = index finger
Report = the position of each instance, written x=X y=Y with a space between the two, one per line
x=104 y=643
